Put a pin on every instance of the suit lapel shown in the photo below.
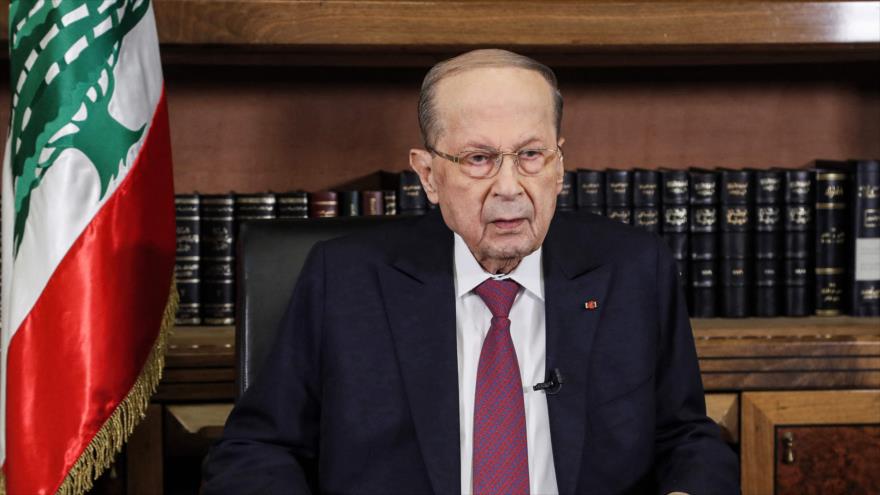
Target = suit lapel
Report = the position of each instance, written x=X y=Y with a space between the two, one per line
x=418 y=290
x=573 y=275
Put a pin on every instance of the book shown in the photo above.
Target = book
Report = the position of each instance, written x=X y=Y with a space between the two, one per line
x=293 y=204
x=411 y=199
x=864 y=278
x=646 y=200
x=798 y=244
x=618 y=195
x=591 y=191
x=389 y=198
x=565 y=200
x=736 y=195
x=186 y=263
x=372 y=203
x=324 y=204
x=831 y=220
x=768 y=242
x=254 y=206
x=349 y=203
x=217 y=257
x=703 y=199
x=675 y=221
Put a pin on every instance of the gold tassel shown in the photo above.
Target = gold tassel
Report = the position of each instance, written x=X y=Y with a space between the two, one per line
x=108 y=441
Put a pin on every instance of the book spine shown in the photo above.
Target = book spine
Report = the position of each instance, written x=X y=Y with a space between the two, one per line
x=217 y=258
x=411 y=196
x=768 y=243
x=646 y=200
x=349 y=203
x=675 y=224
x=865 y=275
x=831 y=237
x=389 y=198
x=704 y=243
x=736 y=225
x=324 y=204
x=565 y=200
x=799 y=197
x=186 y=264
x=618 y=195
x=259 y=206
x=294 y=204
x=591 y=191
x=372 y=203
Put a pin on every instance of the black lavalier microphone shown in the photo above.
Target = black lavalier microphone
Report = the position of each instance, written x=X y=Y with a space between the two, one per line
x=553 y=385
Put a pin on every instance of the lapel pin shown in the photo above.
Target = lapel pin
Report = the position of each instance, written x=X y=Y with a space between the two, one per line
x=591 y=304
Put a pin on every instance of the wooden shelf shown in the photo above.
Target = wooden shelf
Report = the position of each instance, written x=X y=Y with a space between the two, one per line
x=735 y=355
x=417 y=32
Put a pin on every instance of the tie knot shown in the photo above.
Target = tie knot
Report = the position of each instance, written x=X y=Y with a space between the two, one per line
x=498 y=295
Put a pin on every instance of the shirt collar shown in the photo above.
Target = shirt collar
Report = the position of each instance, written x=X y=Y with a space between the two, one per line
x=469 y=274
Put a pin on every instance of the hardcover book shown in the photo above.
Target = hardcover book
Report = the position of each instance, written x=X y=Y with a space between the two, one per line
x=566 y=200
x=618 y=195
x=646 y=200
x=864 y=279
x=186 y=264
x=372 y=203
x=799 y=241
x=768 y=242
x=349 y=203
x=324 y=204
x=410 y=195
x=591 y=191
x=217 y=256
x=832 y=223
x=703 y=198
x=737 y=197
x=293 y=204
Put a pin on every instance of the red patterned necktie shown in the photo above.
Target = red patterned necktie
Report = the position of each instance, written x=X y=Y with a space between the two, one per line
x=501 y=460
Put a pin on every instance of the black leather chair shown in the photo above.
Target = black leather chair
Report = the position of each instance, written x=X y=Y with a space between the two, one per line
x=270 y=256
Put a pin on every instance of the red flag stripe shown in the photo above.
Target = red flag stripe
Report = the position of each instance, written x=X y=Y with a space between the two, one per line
x=81 y=348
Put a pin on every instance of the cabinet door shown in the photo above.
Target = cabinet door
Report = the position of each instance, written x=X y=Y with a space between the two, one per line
x=823 y=442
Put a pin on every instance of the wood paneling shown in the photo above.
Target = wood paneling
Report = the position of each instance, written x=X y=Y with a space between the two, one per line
x=762 y=412
x=559 y=24
x=724 y=410
x=828 y=460
x=261 y=128
x=144 y=453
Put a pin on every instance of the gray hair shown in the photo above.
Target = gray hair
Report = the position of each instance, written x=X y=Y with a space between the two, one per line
x=429 y=122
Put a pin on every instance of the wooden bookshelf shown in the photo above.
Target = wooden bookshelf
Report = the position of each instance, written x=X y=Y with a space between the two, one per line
x=567 y=32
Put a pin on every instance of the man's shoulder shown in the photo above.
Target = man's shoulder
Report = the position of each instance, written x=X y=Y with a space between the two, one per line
x=604 y=238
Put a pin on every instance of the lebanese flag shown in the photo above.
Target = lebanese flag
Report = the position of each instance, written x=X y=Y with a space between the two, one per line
x=88 y=239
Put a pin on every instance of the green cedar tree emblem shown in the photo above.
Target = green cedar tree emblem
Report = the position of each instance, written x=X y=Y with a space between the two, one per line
x=62 y=55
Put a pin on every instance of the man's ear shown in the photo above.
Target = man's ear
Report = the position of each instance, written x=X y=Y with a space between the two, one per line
x=422 y=163
x=560 y=167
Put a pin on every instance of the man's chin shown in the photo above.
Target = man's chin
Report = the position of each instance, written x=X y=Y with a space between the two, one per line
x=508 y=250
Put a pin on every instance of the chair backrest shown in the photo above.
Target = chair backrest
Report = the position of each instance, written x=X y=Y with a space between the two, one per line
x=270 y=256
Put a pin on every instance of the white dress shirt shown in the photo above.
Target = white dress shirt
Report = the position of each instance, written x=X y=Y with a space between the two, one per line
x=527 y=329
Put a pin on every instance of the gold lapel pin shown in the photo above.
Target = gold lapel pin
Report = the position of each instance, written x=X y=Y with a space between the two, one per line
x=591 y=304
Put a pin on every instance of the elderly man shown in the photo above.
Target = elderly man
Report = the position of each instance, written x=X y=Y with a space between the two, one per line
x=409 y=357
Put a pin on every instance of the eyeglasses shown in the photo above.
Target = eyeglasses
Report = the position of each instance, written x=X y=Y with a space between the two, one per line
x=484 y=164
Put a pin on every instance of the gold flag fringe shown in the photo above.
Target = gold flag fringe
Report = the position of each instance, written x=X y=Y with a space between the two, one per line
x=108 y=441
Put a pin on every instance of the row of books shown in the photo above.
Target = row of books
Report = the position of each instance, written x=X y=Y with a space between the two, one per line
x=207 y=226
x=777 y=242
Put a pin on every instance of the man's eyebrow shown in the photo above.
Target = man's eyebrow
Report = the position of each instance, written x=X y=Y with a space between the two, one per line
x=481 y=145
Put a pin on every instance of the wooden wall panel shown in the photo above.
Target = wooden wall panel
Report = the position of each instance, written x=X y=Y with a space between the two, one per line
x=253 y=128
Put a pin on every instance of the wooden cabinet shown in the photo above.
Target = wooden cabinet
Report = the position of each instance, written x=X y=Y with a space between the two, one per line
x=811 y=442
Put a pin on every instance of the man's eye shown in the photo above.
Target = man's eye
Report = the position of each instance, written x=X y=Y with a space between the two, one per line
x=530 y=154
x=478 y=159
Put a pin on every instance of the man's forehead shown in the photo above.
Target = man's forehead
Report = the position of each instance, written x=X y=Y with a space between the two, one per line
x=492 y=84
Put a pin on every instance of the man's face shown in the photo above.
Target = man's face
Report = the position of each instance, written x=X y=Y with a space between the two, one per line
x=505 y=217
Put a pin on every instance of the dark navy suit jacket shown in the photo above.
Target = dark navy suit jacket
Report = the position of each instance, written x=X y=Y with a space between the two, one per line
x=360 y=393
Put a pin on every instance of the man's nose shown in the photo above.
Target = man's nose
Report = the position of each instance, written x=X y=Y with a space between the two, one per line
x=507 y=182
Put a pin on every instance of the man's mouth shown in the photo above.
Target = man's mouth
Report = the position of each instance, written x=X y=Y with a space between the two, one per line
x=508 y=224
